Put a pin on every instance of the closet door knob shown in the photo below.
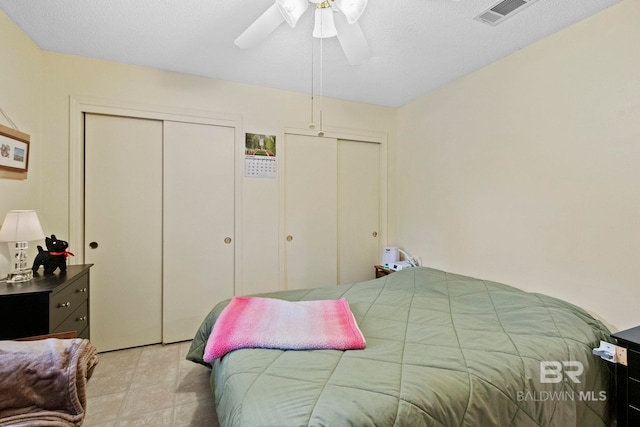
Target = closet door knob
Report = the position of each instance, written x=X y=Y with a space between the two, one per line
x=227 y=240
x=93 y=245
x=374 y=234
x=289 y=238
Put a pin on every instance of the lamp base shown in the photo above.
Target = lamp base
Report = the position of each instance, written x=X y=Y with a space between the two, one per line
x=20 y=276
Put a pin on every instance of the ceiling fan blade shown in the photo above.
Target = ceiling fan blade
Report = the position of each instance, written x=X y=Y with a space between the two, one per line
x=260 y=29
x=352 y=40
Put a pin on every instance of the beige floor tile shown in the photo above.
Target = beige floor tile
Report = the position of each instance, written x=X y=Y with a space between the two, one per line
x=148 y=399
x=117 y=361
x=162 y=418
x=103 y=409
x=159 y=354
x=199 y=414
x=184 y=349
x=148 y=375
x=100 y=385
x=193 y=384
x=150 y=386
x=108 y=424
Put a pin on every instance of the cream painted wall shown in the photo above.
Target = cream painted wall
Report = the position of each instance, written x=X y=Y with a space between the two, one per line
x=262 y=110
x=20 y=98
x=527 y=172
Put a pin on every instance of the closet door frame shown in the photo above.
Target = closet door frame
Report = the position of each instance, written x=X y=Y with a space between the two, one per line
x=81 y=105
x=339 y=133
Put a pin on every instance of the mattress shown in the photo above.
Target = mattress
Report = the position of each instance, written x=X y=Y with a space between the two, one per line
x=442 y=349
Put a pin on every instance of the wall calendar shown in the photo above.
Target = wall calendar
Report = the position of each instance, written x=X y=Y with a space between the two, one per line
x=260 y=156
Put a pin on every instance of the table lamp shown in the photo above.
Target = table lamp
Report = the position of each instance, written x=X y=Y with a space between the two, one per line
x=19 y=228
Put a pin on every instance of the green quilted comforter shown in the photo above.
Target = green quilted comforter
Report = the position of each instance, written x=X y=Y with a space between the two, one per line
x=442 y=350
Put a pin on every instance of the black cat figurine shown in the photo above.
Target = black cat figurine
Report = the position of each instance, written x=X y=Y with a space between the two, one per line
x=55 y=257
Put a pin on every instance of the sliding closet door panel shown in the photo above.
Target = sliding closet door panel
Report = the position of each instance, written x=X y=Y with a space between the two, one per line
x=358 y=210
x=310 y=211
x=198 y=224
x=123 y=226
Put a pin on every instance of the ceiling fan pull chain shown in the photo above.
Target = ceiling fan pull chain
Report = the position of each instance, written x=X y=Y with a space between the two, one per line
x=312 y=125
x=321 y=132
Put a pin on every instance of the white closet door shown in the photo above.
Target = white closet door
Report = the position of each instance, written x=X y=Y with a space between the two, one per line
x=358 y=210
x=310 y=211
x=198 y=224
x=123 y=229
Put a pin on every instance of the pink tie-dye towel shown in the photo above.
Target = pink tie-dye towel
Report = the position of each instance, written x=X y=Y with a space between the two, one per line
x=251 y=322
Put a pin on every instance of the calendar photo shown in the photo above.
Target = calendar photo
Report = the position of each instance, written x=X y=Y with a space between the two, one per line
x=260 y=156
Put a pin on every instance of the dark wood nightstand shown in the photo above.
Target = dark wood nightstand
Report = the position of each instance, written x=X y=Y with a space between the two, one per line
x=628 y=378
x=46 y=304
x=382 y=271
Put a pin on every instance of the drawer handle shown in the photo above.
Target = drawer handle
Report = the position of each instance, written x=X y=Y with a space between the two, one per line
x=81 y=319
x=81 y=290
x=64 y=304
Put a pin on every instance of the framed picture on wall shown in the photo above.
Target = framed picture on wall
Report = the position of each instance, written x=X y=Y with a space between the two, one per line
x=14 y=150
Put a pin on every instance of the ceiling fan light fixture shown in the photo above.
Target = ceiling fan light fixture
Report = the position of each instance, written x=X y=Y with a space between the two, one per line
x=352 y=9
x=292 y=10
x=324 y=26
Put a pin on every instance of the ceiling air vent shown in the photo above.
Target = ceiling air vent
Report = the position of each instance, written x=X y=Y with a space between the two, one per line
x=502 y=10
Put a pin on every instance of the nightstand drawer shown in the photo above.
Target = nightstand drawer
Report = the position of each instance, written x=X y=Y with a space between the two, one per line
x=84 y=333
x=634 y=393
x=36 y=308
x=628 y=378
x=634 y=417
x=76 y=321
x=67 y=300
x=633 y=362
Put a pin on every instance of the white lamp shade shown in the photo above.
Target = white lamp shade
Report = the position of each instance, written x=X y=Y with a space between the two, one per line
x=324 y=26
x=352 y=9
x=21 y=226
x=292 y=10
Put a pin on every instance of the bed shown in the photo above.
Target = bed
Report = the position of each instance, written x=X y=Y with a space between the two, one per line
x=441 y=350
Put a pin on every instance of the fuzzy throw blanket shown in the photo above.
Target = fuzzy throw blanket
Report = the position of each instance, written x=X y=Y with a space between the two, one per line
x=42 y=383
x=251 y=322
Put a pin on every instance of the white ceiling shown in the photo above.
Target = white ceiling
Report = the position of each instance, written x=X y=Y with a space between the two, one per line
x=417 y=45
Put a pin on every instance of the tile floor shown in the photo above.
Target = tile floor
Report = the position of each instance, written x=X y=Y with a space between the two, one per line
x=149 y=386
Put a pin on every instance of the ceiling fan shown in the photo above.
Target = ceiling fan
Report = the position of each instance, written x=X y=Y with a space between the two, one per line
x=328 y=23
